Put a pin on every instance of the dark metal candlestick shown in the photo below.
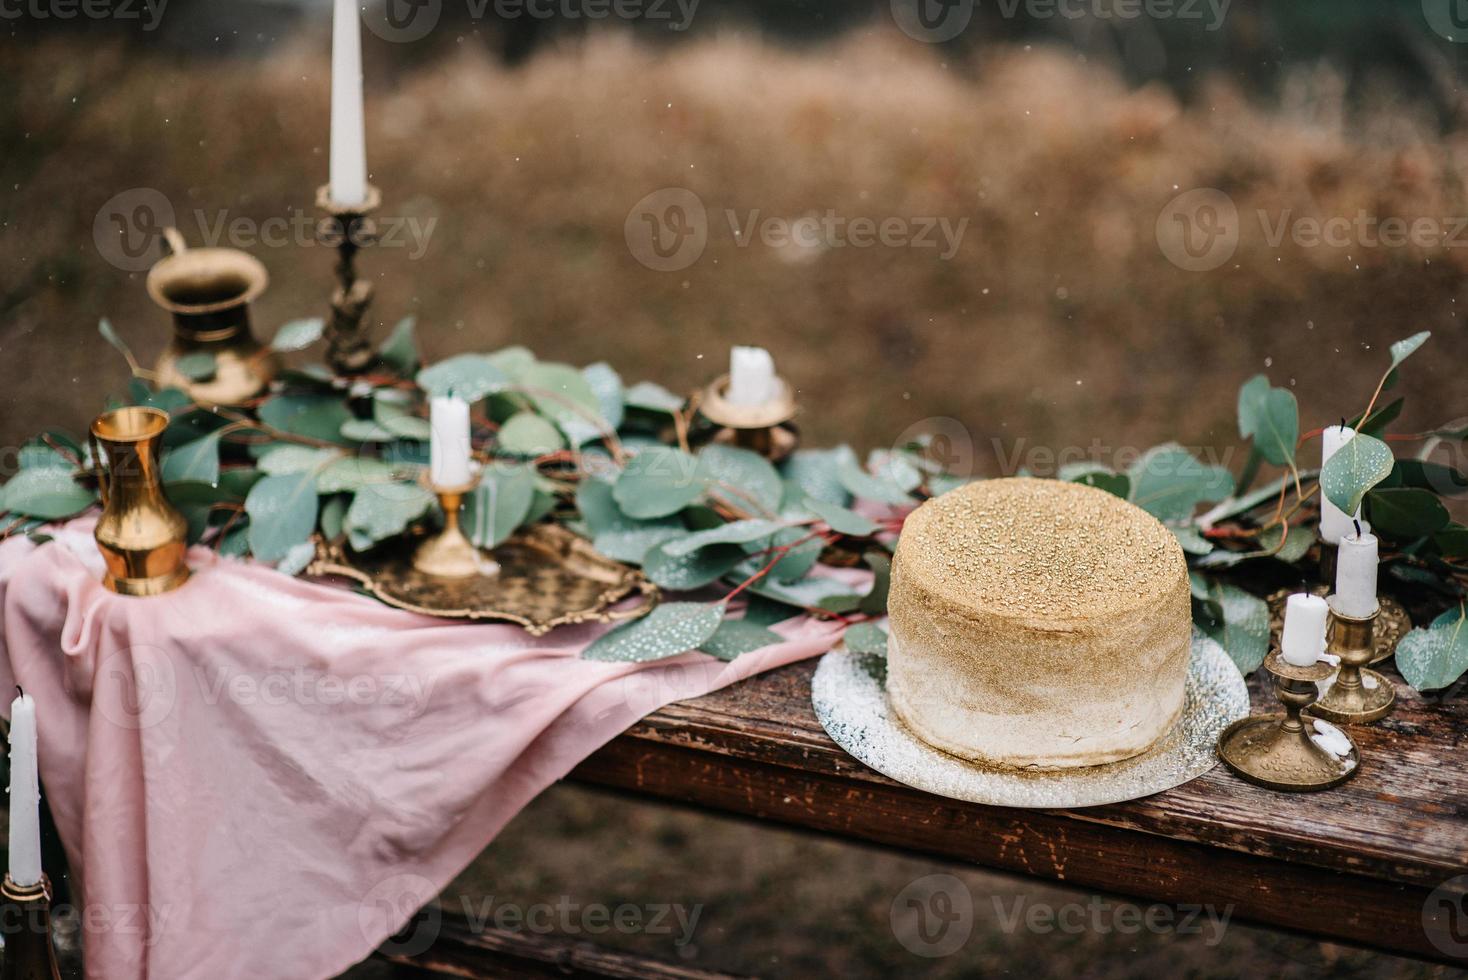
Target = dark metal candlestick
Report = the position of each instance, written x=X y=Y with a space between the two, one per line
x=765 y=429
x=26 y=911
x=348 y=227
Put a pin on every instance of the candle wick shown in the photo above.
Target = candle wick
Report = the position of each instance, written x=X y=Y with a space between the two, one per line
x=1358 y=527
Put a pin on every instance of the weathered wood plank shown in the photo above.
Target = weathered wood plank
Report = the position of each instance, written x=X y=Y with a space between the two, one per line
x=1354 y=863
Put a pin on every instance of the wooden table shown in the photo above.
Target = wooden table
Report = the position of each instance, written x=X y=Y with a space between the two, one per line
x=1355 y=864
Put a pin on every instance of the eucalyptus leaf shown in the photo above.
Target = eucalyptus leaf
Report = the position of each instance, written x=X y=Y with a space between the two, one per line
x=652 y=397
x=198 y=365
x=1243 y=627
x=1404 y=349
x=298 y=334
x=658 y=482
x=735 y=532
x=606 y=385
x=1405 y=512
x=352 y=473
x=633 y=543
x=1295 y=544
x=109 y=334
x=312 y=415
x=563 y=395
x=45 y=493
x=295 y=459
x=1380 y=419
x=1169 y=483
x=528 y=434
x=282 y=513
x=296 y=559
x=809 y=592
x=384 y=511
x=874 y=603
x=1434 y=657
x=1192 y=540
x=670 y=629
x=1098 y=476
x=816 y=472
x=499 y=504
x=744 y=478
x=197 y=461
x=865 y=486
x=841 y=520
x=1452 y=541
x=1271 y=417
x=1360 y=464
x=512 y=361
x=694 y=570
x=867 y=638
x=467 y=376
x=797 y=562
x=737 y=636
x=400 y=350
x=365 y=430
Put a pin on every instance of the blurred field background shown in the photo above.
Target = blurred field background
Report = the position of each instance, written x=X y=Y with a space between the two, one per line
x=1059 y=322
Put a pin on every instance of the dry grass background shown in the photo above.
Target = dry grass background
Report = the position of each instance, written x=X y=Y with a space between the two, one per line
x=1059 y=320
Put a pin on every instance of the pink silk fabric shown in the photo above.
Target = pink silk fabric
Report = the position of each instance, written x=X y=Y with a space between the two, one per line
x=259 y=776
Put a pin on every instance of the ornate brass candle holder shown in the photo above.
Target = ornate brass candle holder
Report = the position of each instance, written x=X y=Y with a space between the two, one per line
x=449 y=553
x=209 y=291
x=1357 y=694
x=143 y=539
x=765 y=429
x=1392 y=622
x=26 y=924
x=348 y=227
x=1278 y=751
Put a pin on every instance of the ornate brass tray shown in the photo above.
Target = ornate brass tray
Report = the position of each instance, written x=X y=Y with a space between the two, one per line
x=548 y=577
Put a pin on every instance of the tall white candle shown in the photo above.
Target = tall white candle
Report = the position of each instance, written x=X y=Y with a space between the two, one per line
x=751 y=376
x=1334 y=522
x=1355 y=575
x=348 y=142
x=1303 y=639
x=448 y=451
x=25 y=794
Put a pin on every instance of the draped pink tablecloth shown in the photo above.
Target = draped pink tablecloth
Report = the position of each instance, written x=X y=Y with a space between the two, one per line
x=262 y=777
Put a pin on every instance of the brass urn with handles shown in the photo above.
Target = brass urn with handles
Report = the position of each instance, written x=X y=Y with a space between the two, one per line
x=209 y=291
x=142 y=537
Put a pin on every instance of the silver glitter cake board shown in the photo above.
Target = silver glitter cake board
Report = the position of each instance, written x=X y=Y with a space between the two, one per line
x=850 y=696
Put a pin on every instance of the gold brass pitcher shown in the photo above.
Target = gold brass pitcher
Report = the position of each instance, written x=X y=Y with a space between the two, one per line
x=141 y=537
x=208 y=291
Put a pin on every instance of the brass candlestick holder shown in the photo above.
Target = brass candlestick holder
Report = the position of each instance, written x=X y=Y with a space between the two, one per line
x=1357 y=694
x=1278 y=751
x=449 y=553
x=765 y=429
x=348 y=227
x=25 y=920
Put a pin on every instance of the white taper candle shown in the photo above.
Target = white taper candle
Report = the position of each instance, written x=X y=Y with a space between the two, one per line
x=1303 y=638
x=25 y=794
x=751 y=376
x=1334 y=522
x=448 y=451
x=1355 y=575
x=348 y=140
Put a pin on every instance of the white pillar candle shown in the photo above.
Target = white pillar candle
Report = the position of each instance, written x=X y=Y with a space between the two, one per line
x=348 y=142
x=1355 y=575
x=751 y=376
x=1303 y=639
x=1334 y=522
x=448 y=451
x=25 y=794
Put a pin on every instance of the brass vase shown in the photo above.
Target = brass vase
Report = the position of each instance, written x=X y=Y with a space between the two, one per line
x=209 y=291
x=141 y=536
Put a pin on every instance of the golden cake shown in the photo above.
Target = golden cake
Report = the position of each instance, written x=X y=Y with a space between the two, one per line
x=1037 y=624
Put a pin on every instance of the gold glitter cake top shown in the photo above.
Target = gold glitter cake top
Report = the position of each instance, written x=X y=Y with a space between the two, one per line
x=1046 y=549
